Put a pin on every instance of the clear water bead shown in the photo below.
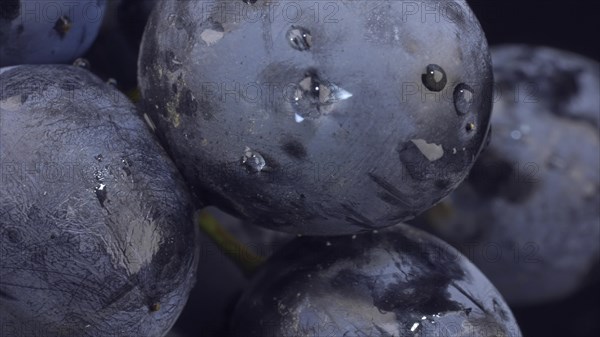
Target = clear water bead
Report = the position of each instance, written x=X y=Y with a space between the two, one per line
x=299 y=38
x=253 y=160
x=314 y=97
x=434 y=78
x=463 y=98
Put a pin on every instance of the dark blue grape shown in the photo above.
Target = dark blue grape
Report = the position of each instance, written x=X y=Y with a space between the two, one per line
x=398 y=282
x=346 y=132
x=96 y=236
x=34 y=31
x=528 y=213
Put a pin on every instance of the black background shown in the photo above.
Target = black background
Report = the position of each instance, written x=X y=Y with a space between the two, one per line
x=570 y=25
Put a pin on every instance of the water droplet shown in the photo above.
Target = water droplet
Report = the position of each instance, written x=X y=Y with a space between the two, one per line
x=470 y=127
x=434 y=78
x=253 y=160
x=414 y=326
x=463 y=98
x=516 y=134
x=62 y=26
x=126 y=166
x=354 y=237
x=250 y=2
x=171 y=18
x=314 y=97
x=99 y=158
x=381 y=311
x=299 y=38
x=375 y=231
x=327 y=243
x=82 y=63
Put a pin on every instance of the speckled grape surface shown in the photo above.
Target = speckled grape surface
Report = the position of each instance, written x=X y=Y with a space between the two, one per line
x=398 y=282
x=528 y=214
x=96 y=237
x=344 y=117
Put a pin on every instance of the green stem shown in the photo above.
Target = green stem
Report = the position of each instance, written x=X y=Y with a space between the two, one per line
x=242 y=256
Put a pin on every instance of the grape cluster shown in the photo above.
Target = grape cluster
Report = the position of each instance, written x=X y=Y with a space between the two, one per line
x=294 y=168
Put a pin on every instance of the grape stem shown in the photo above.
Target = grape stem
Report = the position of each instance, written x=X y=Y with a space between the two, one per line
x=247 y=260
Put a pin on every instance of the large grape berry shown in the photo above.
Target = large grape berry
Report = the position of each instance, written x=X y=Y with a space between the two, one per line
x=398 y=282
x=34 y=31
x=96 y=237
x=528 y=213
x=343 y=117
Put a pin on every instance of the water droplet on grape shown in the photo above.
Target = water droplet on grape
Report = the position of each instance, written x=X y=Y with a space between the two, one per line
x=82 y=63
x=381 y=311
x=328 y=244
x=253 y=160
x=314 y=97
x=463 y=98
x=516 y=134
x=434 y=78
x=299 y=38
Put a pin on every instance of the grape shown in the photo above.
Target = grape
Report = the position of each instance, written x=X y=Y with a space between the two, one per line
x=95 y=230
x=33 y=31
x=398 y=282
x=355 y=119
x=528 y=213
